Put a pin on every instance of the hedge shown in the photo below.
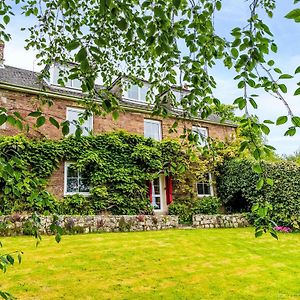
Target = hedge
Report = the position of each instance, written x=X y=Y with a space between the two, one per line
x=236 y=186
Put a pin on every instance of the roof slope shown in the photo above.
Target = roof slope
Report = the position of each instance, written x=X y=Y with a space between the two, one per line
x=30 y=80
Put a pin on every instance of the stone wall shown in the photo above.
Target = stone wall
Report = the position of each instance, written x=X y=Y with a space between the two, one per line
x=16 y=224
x=220 y=221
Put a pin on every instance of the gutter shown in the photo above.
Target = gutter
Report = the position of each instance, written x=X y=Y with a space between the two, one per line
x=34 y=91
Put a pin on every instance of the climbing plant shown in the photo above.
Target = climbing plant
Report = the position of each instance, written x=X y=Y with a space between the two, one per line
x=117 y=165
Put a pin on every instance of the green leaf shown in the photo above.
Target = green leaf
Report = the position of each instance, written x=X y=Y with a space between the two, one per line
x=297 y=70
x=290 y=132
x=218 y=5
x=277 y=70
x=54 y=122
x=72 y=45
x=297 y=92
x=294 y=14
x=3 y=118
x=234 y=52
x=57 y=237
x=270 y=181
x=283 y=88
x=265 y=129
x=260 y=183
x=253 y=103
x=243 y=146
x=40 y=121
x=176 y=3
x=285 y=76
x=10 y=259
x=35 y=114
x=268 y=122
x=281 y=120
x=81 y=55
x=122 y=24
x=6 y=19
x=256 y=154
x=115 y=114
x=296 y=121
x=274 y=47
x=11 y=120
x=65 y=129
x=19 y=258
x=257 y=169
x=258 y=233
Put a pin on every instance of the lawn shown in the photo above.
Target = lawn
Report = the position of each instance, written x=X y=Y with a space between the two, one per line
x=173 y=264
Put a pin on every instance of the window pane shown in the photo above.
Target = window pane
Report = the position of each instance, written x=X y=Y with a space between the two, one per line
x=156 y=203
x=152 y=130
x=55 y=74
x=133 y=92
x=75 y=115
x=202 y=135
x=206 y=189
x=72 y=185
x=83 y=185
x=143 y=93
x=200 y=188
x=76 y=83
x=71 y=172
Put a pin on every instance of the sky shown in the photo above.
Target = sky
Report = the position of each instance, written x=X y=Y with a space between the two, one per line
x=233 y=14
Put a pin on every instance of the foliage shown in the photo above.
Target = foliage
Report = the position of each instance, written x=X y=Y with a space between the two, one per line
x=185 y=209
x=294 y=157
x=118 y=185
x=76 y=205
x=237 y=189
x=207 y=205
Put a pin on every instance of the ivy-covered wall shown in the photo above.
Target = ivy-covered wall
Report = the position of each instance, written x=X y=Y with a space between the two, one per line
x=117 y=165
x=237 y=189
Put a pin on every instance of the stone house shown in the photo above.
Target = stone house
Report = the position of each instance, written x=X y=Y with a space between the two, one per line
x=22 y=91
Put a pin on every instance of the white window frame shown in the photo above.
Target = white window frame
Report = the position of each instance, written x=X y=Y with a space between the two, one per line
x=210 y=185
x=162 y=195
x=53 y=80
x=80 y=110
x=139 y=100
x=66 y=165
x=159 y=127
x=202 y=141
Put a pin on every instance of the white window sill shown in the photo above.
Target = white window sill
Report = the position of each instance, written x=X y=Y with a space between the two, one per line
x=85 y=194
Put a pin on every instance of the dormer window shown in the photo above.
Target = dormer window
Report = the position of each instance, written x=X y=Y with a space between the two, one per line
x=58 y=72
x=136 y=93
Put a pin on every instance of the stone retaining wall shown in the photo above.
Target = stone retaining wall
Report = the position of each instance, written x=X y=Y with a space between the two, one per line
x=17 y=224
x=220 y=221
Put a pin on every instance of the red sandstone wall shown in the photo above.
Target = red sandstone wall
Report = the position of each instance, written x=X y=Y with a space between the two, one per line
x=132 y=122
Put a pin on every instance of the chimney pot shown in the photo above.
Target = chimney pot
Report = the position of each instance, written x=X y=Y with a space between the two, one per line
x=2 y=45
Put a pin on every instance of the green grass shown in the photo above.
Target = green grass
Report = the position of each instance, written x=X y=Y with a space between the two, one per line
x=174 y=264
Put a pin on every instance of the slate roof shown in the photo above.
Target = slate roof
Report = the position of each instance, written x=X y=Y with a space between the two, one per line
x=30 y=79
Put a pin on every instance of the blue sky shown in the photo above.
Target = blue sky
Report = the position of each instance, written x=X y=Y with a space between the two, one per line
x=233 y=14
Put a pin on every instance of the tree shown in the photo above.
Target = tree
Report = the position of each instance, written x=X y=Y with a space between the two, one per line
x=168 y=42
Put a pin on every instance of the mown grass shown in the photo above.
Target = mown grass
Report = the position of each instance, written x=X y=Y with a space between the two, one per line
x=174 y=264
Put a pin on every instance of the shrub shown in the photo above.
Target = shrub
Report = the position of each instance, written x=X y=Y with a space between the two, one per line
x=28 y=227
x=185 y=209
x=207 y=205
x=4 y=228
x=76 y=205
x=237 y=188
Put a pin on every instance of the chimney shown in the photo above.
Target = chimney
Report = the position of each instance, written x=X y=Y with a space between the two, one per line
x=2 y=45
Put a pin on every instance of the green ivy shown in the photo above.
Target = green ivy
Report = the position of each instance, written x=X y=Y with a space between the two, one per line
x=118 y=166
